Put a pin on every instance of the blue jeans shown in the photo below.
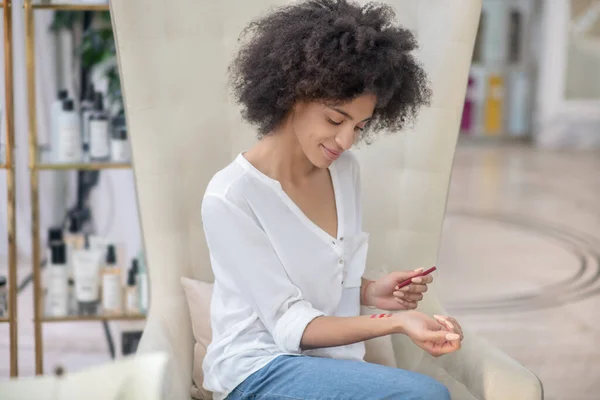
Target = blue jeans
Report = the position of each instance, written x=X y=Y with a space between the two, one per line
x=316 y=378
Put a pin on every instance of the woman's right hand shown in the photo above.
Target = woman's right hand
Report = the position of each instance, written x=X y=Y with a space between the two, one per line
x=427 y=333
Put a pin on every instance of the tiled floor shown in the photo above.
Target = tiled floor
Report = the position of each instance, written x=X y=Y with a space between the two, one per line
x=519 y=265
x=520 y=260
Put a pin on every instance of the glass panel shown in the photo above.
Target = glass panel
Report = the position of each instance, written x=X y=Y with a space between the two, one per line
x=583 y=51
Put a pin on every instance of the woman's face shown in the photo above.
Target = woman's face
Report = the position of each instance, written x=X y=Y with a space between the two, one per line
x=325 y=132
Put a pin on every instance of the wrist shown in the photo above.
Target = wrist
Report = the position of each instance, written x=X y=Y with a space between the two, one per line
x=397 y=323
x=367 y=297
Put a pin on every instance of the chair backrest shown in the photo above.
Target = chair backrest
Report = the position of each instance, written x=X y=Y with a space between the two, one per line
x=173 y=58
x=139 y=378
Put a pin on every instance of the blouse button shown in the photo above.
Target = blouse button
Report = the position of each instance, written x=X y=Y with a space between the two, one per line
x=341 y=239
x=341 y=261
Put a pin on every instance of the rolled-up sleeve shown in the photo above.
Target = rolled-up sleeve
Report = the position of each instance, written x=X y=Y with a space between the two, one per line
x=237 y=243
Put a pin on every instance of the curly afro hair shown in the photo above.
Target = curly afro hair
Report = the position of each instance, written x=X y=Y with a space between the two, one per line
x=330 y=51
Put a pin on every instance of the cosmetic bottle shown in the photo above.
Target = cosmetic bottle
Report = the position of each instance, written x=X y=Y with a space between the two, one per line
x=466 y=125
x=119 y=145
x=69 y=135
x=519 y=106
x=112 y=301
x=99 y=131
x=99 y=243
x=71 y=297
x=55 y=236
x=87 y=109
x=58 y=293
x=131 y=293
x=3 y=297
x=495 y=35
x=55 y=112
x=494 y=105
x=515 y=33
x=142 y=281
x=73 y=238
x=86 y=269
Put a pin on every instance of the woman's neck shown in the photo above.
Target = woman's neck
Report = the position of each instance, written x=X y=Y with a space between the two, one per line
x=279 y=156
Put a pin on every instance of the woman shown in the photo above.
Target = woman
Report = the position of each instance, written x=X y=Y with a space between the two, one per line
x=283 y=220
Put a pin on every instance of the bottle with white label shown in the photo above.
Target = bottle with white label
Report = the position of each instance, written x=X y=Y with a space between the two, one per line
x=99 y=131
x=119 y=145
x=69 y=148
x=87 y=109
x=142 y=283
x=3 y=297
x=58 y=293
x=55 y=111
x=132 y=304
x=112 y=300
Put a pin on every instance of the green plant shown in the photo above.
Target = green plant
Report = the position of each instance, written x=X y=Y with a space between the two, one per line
x=97 y=45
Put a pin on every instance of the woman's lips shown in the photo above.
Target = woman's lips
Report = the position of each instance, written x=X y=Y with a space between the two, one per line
x=331 y=154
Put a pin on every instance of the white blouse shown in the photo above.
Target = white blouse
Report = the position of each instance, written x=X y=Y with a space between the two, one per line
x=275 y=270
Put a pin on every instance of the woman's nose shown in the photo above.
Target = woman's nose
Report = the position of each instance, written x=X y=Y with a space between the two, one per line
x=345 y=139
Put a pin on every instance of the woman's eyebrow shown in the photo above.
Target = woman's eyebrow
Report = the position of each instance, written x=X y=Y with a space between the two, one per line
x=348 y=115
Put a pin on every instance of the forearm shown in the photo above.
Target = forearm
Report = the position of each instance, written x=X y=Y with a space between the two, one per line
x=340 y=331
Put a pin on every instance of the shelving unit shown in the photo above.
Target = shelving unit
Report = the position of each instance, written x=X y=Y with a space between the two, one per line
x=9 y=168
x=500 y=101
x=37 y=164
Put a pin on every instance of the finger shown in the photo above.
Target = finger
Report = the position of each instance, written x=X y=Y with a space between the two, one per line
x=413 y=297
x=402 y=303
x=401 y=276
x=437 y=349
x=452 y=322
x=408 y=305
x=427 y=279
x=440 y=336
x=408 y=296
x=414 y=288
x=456 y=324
x=444 y=321
x=445 y=324
x=447 y=347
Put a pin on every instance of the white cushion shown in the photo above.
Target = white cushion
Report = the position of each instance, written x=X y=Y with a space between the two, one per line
x=198 y=296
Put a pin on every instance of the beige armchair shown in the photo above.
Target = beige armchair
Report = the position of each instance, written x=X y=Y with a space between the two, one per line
x=132 y=378
x=173 y=58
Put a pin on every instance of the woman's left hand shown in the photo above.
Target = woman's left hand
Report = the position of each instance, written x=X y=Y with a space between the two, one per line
x=450 y=324
x=384 y=294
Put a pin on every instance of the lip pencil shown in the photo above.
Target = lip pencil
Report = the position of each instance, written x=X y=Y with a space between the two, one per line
x=408 y=281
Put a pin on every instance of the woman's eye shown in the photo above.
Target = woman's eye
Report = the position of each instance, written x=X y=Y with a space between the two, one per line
x=333 y=122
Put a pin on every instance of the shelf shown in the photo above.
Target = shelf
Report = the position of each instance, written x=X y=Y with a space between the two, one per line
x=45 y=162
x=81 y=318
x=86 y=166
x=70 y=7
x=4 y=319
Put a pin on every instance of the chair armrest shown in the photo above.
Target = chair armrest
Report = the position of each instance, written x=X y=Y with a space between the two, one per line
x=488 y=373
x=477 y=371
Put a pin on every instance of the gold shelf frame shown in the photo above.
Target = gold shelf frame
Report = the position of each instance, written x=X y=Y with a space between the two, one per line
x=9 y=167
x=70 y=7
x=35 y=166
x=85 y=166
x=80 y=318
